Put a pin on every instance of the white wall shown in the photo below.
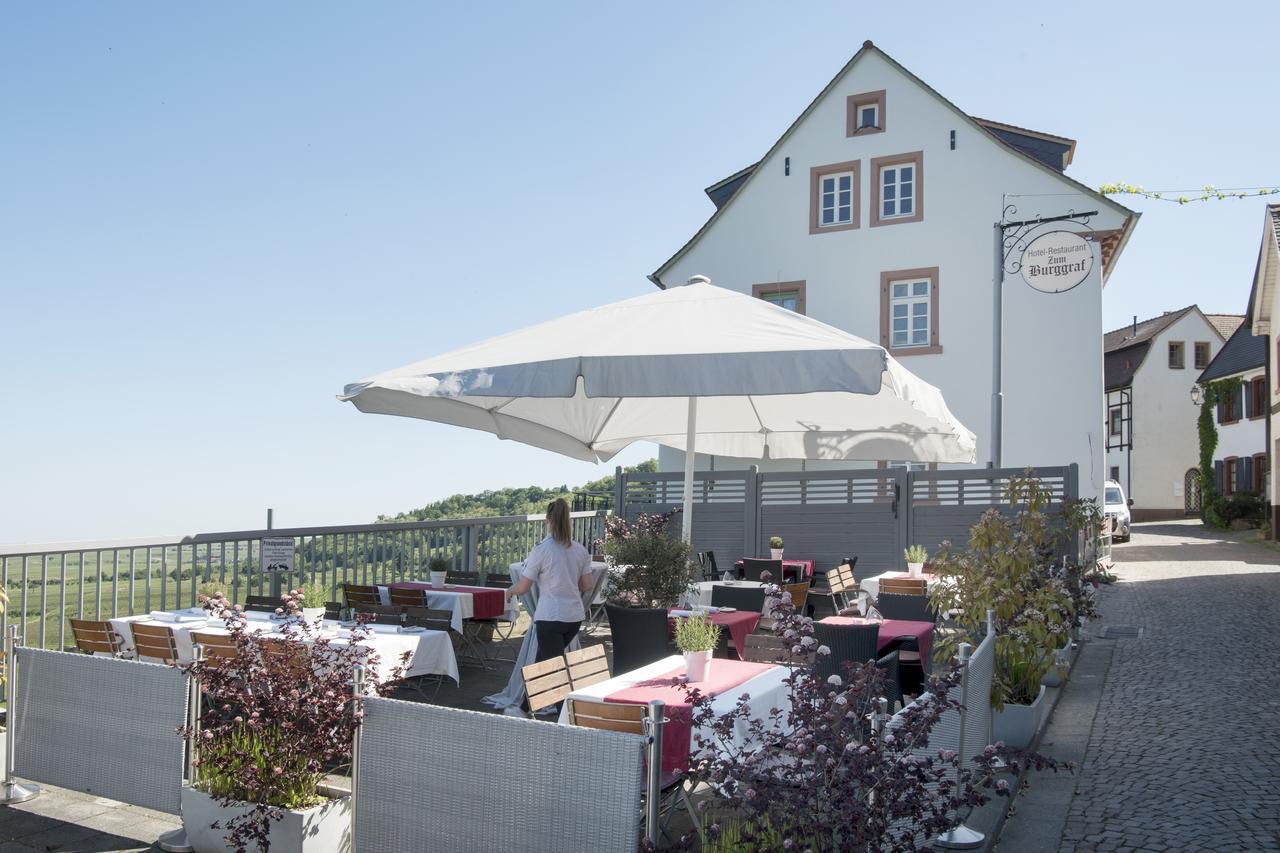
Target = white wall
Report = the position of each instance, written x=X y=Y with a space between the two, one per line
x=1052 y=351
x=1166 y=442
x=1246 y=436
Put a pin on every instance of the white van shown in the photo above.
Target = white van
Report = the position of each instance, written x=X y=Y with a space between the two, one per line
x=1116 y=507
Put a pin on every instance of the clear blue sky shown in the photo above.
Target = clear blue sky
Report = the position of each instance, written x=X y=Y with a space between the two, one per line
x=215 y=215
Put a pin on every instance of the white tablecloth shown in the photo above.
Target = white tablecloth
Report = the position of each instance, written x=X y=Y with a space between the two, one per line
x=872 y=585
x=701 y=594
x=431 y=652
x=767 y=691
x=461 y=604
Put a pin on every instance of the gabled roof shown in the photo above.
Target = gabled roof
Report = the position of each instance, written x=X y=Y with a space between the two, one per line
x=1125 y=349
x=1266 y=273
x=1243 y=351
x=1226 y=324
x=1050 y=149
x=1141 y=332
x=1119 y=239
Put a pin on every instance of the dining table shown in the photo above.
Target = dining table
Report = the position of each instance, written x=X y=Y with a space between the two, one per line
x=892 y=630
x=871 y=585
x=725 y=683
x=797 y=569
x=739 y=623
x=462 y=602
x=430 y=652
x=699 y=594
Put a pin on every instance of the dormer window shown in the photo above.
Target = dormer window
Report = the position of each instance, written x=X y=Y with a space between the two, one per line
x=864 y=113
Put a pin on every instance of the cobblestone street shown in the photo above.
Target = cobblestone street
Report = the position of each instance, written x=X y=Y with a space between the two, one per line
x=1184 y=753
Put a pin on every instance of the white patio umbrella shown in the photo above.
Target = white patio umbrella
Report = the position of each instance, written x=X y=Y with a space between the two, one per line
x=698 y=368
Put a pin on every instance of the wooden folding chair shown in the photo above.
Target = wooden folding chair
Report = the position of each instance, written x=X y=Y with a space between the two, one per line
x=380 y=614
x=904 y=586
x=634 y=719
x=767 y=648
x=92 y=636
x=407 y=597
x=426 y=617
x=355 y=594
x=799 y=593
x=154 y=641
x=214 y=646
x=287 y=656
x=587 y=666
x=546 y=683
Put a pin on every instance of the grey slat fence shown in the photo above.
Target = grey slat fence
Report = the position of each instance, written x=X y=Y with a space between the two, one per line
x=826 y=516
x=49 y=584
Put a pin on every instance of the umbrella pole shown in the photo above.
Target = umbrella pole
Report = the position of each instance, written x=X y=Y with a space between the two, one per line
x=690 y=442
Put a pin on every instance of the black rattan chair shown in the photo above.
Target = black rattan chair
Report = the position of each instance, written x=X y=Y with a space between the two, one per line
x=639 y=636
x=742 y=597
x=713 y=573
x=851 y=644
x=753 y=568
x=914 y=608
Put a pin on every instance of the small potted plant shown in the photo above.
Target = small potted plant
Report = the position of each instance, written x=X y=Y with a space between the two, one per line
x=916 y=555
x=439 y=570
x=697 y=636
x=277 y=719
x=314 y=596
x=775 y=547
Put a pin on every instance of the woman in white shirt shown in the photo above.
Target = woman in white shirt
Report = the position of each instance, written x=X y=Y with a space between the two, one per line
x=562 y=570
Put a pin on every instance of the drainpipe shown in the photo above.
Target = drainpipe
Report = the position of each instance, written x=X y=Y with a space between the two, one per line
x=1268 y=449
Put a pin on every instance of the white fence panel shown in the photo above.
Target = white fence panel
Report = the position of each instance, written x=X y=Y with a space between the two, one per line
x=433 y=778
x=100 y=725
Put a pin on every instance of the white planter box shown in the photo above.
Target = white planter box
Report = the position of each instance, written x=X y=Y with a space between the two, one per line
x=1017 y=725
x=775 y=553
x=438 y=580
x=915 y=569
x=312 y=614
x=696 y=664
x=325 y=828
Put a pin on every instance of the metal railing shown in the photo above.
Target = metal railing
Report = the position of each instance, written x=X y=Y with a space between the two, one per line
x=49 y=584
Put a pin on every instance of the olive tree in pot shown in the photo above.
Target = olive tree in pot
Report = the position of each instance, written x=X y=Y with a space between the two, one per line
x=1012 y=568
x=277 y=717
x=650 y=564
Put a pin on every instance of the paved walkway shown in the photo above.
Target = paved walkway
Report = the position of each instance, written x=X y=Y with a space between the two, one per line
x=1183 y=752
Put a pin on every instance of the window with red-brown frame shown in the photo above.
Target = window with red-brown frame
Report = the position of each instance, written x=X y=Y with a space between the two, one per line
x=1259 y=484
x=1257 y=398
x=1230 y=476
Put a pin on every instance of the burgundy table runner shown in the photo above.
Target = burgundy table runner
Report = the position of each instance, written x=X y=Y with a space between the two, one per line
x=487 y=602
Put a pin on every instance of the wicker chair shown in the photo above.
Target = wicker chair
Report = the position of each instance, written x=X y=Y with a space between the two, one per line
x=741 y=597
x=639 y=636
x=914 y=608
x=92 y=636
x=753 y=569
x=855 y=644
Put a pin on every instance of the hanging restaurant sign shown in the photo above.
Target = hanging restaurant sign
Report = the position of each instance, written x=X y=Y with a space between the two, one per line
x=1057 y=261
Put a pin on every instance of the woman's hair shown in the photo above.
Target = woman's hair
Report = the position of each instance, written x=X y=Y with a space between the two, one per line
x=558 y=519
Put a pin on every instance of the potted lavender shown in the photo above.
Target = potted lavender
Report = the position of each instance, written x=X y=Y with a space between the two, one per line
x=915 y=556
x=277 y=718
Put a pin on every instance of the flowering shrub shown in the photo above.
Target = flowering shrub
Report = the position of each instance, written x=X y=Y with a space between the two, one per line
x=1011 y=567
x=651 y=566
x=276 y=716
x=832 y=777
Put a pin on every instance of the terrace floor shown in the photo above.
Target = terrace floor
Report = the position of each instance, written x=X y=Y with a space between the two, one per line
x=1173 y=730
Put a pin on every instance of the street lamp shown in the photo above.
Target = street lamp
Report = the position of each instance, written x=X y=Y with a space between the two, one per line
x=1196 y=394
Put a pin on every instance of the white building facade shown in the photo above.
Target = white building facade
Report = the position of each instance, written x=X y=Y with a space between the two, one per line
x=1152 y=441
x=1240 y=459
x=1264 y=315
x=875 y=212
